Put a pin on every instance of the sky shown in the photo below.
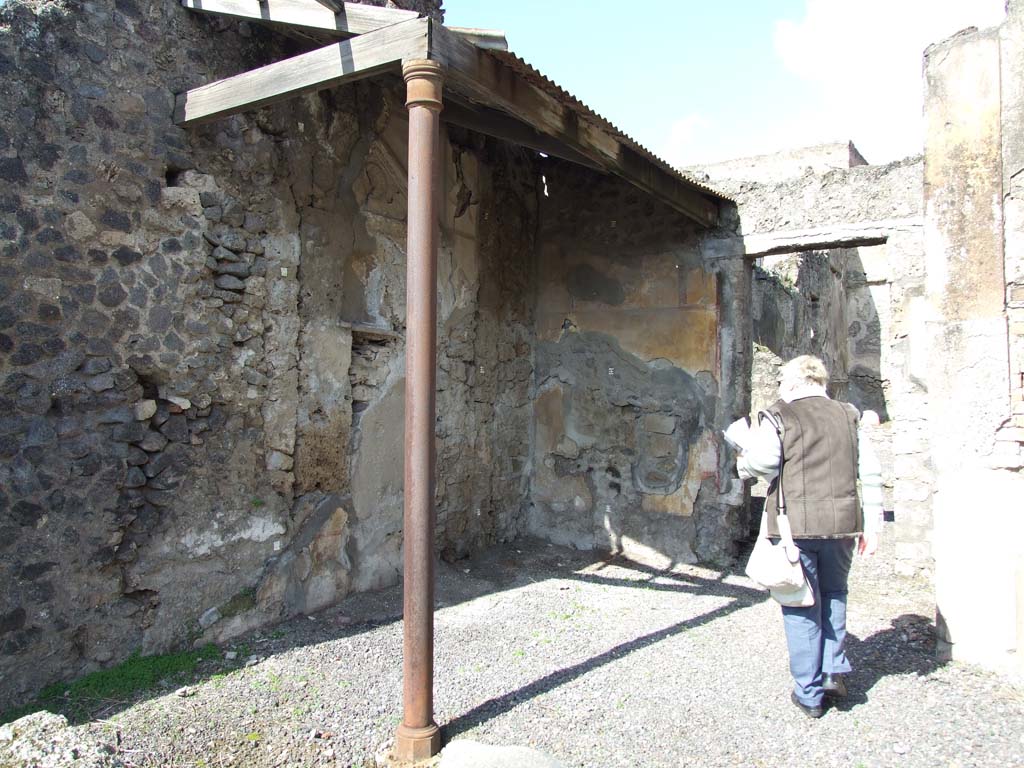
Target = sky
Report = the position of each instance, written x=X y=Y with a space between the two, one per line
x=697 y=81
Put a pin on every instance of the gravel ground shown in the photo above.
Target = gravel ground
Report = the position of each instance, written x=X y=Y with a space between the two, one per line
x=596 y=662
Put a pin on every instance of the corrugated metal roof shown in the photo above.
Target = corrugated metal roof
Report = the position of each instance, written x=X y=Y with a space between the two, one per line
x=536 y=78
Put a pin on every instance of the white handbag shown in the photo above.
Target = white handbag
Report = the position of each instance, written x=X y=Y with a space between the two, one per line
x=776 y=566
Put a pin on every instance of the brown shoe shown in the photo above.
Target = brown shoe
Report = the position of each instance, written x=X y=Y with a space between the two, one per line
x=834 y=685
x=812 y=712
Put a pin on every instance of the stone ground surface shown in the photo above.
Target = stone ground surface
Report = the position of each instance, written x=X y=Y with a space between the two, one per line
x=591 y=661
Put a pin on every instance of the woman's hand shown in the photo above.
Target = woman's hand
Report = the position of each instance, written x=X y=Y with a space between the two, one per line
x=868 y=544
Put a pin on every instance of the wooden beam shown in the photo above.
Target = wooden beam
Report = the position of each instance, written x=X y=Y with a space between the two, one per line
x=840 y=235
x=352 y=19
x=491 y=122
x=484 y=79
x=332 y=65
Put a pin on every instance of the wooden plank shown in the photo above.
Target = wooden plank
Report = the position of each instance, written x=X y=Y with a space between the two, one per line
x=501 y=126
x=353 y=19
x=485 y=80
x=332 y=65
x=839 y=235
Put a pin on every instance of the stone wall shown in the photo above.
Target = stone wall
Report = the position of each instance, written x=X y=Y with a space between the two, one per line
x=201 y=340
x=625 y=454
x=974 y=157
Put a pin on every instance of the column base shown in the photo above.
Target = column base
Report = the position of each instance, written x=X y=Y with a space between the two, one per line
x=413 y=744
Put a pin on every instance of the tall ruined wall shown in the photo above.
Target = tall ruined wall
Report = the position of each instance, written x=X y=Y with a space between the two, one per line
x=625 y=453
x=201 y=341
x=973 y=163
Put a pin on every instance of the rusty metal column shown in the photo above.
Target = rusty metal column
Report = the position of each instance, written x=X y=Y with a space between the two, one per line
x=418 y=736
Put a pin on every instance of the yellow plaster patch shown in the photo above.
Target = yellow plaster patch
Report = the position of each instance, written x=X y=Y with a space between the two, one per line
x=686 y=337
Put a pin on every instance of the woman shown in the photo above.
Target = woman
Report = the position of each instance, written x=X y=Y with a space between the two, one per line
x=823 y=453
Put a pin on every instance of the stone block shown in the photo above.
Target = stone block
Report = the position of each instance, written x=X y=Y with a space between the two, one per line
x=145 y=410
x=659 y=423
x=209 y=617
x=279 y=461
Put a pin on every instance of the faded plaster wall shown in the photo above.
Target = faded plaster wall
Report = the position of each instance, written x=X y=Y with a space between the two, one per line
x=201 y=341
x=973 y=156
x=625 y=456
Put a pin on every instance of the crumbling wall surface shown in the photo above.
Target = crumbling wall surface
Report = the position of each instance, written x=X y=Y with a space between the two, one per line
x=625 y=454
x=862 y=194
x=768 y=169
x=201 y=341
x=974 y=156
x=799 y=308
x=868 y=319
x=486 y=353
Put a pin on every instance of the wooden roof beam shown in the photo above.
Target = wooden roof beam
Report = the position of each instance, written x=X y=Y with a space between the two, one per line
x=351 y=19
x=333 y=17
x=334 y=5
x=332 y=65
x=499 y=125
x=483 y=79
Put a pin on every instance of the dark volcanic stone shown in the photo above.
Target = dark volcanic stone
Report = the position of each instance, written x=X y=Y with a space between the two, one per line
x=125 y=256
x=117 y=220
x=13 y=170
x=26 y=513
x=12 y=621
x=27 y=354
x=135 y=478
x=112 y=295
x=176 y=428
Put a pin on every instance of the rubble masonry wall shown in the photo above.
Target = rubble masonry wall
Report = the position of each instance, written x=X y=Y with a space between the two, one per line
x=201 y=340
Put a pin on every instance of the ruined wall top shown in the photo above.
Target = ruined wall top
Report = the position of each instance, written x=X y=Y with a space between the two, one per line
x=866 y=193
x=782 y=165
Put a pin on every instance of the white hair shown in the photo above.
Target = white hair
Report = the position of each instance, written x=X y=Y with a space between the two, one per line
x=801 y=371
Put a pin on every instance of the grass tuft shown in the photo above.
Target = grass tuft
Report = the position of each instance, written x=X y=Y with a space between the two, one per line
x=133 y=675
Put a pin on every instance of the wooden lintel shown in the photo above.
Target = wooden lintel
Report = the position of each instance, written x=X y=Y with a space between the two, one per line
x=838 y=235
x=484 y=79
x=332 y=65
x=501 y=126
x=352 y=19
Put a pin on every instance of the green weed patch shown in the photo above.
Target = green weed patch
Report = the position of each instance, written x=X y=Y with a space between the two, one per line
x=132 y=676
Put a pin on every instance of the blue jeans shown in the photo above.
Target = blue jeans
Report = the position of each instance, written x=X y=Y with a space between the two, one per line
x=816 y=636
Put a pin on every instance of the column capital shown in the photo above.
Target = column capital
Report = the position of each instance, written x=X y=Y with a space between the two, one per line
x=424 y=83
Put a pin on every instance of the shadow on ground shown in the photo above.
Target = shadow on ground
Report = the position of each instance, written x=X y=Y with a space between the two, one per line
x=908 y=647
x=514 y=566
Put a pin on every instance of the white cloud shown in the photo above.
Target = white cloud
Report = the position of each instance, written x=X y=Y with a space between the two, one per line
x=864 y=62
x=676 y=149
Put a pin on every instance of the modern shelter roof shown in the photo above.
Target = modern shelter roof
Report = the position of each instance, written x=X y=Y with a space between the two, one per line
x=488 y=90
